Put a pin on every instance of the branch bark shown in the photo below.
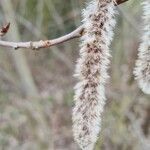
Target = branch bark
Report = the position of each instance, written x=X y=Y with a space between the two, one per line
x=48 y=43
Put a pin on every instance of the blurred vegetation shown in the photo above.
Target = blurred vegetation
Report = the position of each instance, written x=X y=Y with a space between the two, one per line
x=35 y=107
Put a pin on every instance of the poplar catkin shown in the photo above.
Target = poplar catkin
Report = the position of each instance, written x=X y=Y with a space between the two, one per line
x=91 y=71
x=142 y=68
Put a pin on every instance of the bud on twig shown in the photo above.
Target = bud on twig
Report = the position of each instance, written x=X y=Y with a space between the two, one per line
x=4 y=29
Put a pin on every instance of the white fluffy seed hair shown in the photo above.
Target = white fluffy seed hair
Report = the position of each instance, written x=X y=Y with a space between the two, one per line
x=142 y=68
x=91 y=70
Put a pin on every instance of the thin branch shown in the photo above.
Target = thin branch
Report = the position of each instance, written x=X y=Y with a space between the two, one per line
x=48 y=43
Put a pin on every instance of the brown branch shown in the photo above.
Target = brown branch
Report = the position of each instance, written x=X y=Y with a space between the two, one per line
x=48 y=43
x=120 y=1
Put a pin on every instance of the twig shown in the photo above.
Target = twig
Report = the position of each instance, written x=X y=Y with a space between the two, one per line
x=48 y=43
x=43 y=44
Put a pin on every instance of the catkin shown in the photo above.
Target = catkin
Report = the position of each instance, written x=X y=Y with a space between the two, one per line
x=142 y=68
x=91 y=71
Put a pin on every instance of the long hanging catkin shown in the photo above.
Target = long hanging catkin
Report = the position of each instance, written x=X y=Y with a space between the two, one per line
x=91 y=70
x=142 y=69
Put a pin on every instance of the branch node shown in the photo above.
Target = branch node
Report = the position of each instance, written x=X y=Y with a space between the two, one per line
x=31 y=45
x=46 y=43
x=16 y=47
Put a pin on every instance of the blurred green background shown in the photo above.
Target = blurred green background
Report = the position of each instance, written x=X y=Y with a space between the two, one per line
x=36 y=87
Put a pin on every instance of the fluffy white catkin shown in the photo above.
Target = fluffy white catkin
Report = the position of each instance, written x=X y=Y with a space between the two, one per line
x=142 y=69
x=91 y=70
